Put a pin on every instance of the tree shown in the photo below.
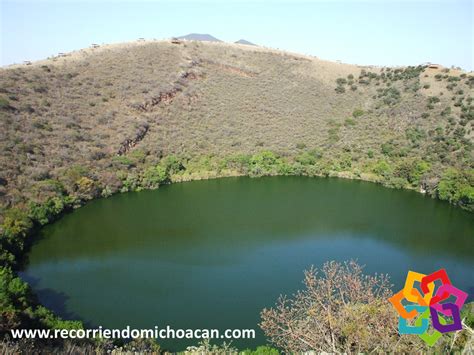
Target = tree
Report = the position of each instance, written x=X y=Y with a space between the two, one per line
x=341 y=310
x=154 y=177
x=457 y=187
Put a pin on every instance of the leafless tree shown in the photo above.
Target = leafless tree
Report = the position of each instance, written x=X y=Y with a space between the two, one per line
x=341 y=310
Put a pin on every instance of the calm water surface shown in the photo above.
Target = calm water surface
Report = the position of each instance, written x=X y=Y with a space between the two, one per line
x=213 y=254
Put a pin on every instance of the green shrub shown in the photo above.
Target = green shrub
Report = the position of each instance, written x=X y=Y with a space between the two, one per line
x=261 y=350
x=306 y=158
x=357 y=112
x=264 y=163
x=4 y=103
x=391 y=96
x=341 y=81
x=415 y=135
x=382 y=168
x=172 y=164
x=433 y=99
x=154 y=176
x=349 y=122
x=457 y=187
x=45 y=212
x=16 y=225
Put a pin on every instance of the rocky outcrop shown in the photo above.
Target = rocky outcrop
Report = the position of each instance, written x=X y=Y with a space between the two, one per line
x=132 y=142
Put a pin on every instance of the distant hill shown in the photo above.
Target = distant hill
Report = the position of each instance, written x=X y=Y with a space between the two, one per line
x=244 y=41
x=200 y=37
x=93 y=121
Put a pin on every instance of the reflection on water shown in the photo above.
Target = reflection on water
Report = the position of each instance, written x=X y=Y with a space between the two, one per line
x=214 y=253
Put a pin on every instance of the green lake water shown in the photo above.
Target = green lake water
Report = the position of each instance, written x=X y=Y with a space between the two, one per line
x=213 y=254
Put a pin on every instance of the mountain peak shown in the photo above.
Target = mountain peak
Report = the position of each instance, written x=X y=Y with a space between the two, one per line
x=244 y=41
x=200 y=37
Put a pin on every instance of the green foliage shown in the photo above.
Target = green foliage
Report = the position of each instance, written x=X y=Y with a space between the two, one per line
x=457 y=187
x=240 y=162
x=348 y=122
x=154 y=176
x=4 y=103
x=415 y=135
x=433 y=99
x=395 y=182
x=45 y=212
x=14 y=299
x=419 y=168
x=261 y=350
x=411 y=170
x=340 y=89
x=51 y=321
x=16 y=224
x=388 y=148
x=14 y=293
x=382 y=168
x=172 y=164
x=130 y=182
x=391 y=96
x=264 y=163
x=306 y=158
x=124 y=161
x=86 y=188
x=358 y=112
x=341 y=81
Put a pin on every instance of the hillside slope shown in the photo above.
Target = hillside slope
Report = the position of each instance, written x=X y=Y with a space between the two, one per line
x=94 y=119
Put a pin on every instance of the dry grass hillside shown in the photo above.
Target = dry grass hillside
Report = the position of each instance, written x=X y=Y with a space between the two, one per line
x=91 y=119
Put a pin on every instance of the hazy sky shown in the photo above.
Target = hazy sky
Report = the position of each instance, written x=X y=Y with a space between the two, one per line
x=361 y=32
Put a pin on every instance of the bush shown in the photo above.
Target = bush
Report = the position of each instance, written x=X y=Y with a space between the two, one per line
x=349 y=122
x=264 y=163
x=357 y=112
x=261 y=350
x=340 y=89
x=172 y=164
x=46 y=212
x=457 y=187
x=433 y=99
x=391 y=96
x=14 y=297
x=382 y=168
x=4 y=103
x=16 y=226
x=153 y=177
x=306 y=159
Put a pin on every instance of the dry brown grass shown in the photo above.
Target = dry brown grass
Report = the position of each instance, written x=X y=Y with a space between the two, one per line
x=227 y=98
